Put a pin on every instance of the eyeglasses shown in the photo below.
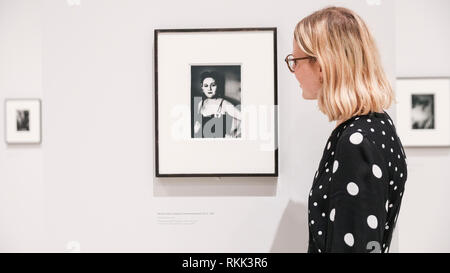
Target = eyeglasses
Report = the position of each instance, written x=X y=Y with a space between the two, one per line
x=291 y=61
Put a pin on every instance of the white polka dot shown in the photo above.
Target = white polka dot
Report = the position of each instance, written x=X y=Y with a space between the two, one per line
x=329 y=144
x=387 y=227
x=368 y=120
x=345 y=126
x=401 y=193
x=372 y=221
x=390 y=205
x=391 y=183
x=351 y=125
x=376 y=171
x=352 y=188
x=316 y=174
x=387 y=204
x=338 y=134
x=310 y=193
x=332 y=213
x=382 y=146
x=384 y=133
x=348 y=239
x=390 y=164
x=312 y=222
x=401 y=174
x=320 y=232
x=326 y=170
x=357 y=118
x=320 y=250
x=320 y=187
x=323 y=214
x=359 y=130
x=335 y=166
x=326 y=163
x=315 y=204
x=329 y=179
x=372 y=130
x=395 y=168
x=392 y=150
x=398 y=156
x=387 y=250
x=332 y=153
x=395 y=188
x=356 y=138
x=382 y=122
x=324 y=197
x=392 y=138
x=390 y=121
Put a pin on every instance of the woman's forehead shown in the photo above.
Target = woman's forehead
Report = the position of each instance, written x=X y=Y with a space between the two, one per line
x=209 y=79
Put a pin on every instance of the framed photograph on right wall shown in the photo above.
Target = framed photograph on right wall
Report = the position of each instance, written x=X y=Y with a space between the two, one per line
x=423 y=111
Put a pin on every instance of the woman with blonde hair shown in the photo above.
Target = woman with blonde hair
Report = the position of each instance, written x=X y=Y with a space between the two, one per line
x=357 y=190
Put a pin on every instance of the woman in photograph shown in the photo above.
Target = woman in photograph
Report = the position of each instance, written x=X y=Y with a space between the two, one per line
x=358 y=187
x=213 y=110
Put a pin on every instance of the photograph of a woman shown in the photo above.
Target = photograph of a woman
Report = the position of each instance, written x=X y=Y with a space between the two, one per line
x=358 y=187
x=215 y=115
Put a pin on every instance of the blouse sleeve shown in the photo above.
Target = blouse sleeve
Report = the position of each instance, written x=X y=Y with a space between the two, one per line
x=358 y=193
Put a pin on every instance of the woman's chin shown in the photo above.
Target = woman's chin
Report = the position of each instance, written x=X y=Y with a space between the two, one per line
x=308 y=96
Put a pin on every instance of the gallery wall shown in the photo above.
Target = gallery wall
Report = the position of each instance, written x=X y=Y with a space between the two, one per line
x=422 y=43
x=90 y=185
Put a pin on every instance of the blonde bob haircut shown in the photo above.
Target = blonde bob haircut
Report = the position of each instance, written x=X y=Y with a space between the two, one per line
x=353 y=80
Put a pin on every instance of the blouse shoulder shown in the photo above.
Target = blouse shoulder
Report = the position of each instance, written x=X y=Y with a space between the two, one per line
x=355 y=143
x=351 y=134
x=358 y=127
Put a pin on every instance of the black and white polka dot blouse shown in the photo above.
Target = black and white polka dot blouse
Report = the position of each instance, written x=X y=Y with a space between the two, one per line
x=357 y=190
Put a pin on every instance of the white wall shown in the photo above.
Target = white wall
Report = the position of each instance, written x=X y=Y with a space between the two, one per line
x=91 y=181
x=422 y=49
x=22 y=187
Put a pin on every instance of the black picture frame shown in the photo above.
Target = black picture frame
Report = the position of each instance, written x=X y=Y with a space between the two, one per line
x=157 y=32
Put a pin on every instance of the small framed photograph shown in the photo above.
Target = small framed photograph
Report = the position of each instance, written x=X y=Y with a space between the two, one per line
x=216 y=102
x=23 y=121
x=423 y=111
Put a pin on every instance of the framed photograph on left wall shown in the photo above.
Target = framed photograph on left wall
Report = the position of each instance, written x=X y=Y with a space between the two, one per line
x=216 y=102
x=23 y=121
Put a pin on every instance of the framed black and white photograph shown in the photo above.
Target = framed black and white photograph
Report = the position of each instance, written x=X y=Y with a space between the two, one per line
x=22 y=121
x=216 y=102
x=423 y=111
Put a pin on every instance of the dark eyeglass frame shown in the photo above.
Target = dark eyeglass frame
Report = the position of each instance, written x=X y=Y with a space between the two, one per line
x=287 y=59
